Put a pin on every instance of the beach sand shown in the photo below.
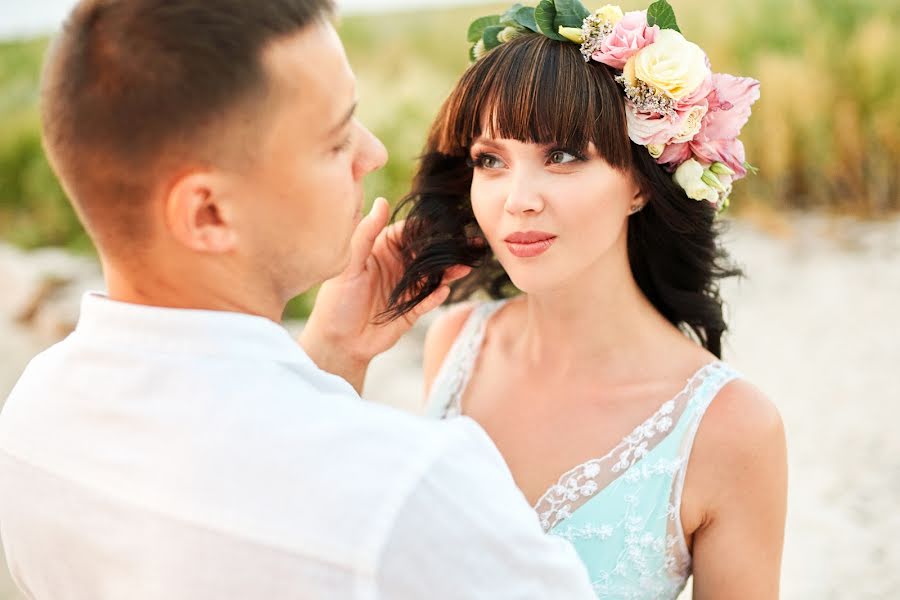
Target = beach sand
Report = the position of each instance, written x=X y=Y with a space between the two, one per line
x=816 y=326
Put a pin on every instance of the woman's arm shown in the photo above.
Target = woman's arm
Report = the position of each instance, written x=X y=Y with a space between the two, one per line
x=742 y=473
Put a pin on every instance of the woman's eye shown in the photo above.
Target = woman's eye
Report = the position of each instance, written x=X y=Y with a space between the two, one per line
x=488 y=161
x=561 y=157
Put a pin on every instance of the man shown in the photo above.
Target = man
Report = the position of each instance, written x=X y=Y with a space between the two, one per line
x=179 y=444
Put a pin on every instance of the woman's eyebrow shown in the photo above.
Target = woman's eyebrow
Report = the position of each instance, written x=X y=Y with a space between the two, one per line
x=483 y=141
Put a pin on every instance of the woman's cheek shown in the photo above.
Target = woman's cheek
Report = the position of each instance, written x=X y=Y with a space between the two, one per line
x=487 y=208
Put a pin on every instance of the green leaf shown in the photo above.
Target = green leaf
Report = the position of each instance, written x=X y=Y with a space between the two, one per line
x=661 y=13
x=525 y=18
x=490 y=36
x=476 y=29
x=545 y=18
x=509 y=17
x=570 y=13
x=751 y=169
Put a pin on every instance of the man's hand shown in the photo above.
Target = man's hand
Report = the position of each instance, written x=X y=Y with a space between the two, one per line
x=341 y=335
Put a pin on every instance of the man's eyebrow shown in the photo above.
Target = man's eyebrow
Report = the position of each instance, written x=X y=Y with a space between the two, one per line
x=344 y=121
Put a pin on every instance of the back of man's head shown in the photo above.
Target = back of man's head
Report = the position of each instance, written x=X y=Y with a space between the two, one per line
x=133 y=89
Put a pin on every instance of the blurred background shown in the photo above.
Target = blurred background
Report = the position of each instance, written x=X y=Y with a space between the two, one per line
x=815 y=324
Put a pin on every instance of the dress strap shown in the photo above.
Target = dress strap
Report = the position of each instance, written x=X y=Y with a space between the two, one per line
x=715 y=378
x=444 y=400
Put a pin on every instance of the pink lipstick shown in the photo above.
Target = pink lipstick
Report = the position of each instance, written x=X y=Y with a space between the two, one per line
x=529 y=244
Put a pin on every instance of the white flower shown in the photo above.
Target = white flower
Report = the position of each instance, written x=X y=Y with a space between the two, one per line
x=671 y=64
x=689 y=175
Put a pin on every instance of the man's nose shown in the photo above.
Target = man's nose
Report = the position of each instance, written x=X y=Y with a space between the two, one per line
x=372 y=155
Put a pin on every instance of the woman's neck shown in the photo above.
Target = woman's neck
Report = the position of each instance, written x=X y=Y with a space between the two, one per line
x=601 y=318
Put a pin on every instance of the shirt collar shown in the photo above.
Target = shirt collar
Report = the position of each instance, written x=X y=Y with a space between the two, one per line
x=190 y=331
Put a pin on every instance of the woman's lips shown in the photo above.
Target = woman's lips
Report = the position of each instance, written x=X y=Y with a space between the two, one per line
x=529 y=244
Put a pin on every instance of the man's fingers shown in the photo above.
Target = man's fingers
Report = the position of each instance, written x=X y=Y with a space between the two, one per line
x=435 y=299
x=365 y=235
x=454 y=273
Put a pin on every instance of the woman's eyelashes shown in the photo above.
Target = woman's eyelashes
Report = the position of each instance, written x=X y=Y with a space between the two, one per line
x=556 y=156
x=483 y=160
x=561 y=156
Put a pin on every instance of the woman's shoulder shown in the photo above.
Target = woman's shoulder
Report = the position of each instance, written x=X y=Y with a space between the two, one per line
x=447 y=327
x=449 y=324
x=740 y=443
x=742 y=413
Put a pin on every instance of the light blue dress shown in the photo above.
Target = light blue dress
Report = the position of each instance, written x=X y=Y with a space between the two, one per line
x=621 y=511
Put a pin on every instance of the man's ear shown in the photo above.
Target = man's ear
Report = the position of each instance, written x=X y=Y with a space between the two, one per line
x=197 y=214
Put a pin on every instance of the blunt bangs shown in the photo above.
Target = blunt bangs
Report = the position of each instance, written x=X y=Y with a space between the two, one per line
x=530 y=91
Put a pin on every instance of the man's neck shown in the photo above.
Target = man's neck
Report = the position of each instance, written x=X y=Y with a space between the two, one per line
x=173 y=290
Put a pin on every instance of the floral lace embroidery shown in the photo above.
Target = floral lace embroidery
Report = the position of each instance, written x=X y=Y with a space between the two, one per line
x=584 y=481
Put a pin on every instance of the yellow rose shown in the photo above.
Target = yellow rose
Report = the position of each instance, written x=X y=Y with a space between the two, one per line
x=656 y=150
x=610 y=13
x=672 y=65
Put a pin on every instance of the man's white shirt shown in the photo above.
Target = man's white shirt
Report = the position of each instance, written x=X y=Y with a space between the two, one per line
x=185 y=454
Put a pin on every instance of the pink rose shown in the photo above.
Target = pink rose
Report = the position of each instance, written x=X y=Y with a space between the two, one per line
x=729 y=106
x=674 y=155
x=699 y=96
x=728 y=110
x=730 y=152
x=630 y=35
x=650 y=128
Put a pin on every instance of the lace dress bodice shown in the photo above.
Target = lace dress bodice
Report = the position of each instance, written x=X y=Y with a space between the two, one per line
x=622 y=510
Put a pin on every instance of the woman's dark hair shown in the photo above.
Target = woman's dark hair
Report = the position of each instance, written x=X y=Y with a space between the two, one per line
x=534 y=89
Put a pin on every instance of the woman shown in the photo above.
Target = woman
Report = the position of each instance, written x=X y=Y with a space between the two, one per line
x=596 y=368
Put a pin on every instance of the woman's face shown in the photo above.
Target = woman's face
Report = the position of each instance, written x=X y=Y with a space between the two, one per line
x=548 y=213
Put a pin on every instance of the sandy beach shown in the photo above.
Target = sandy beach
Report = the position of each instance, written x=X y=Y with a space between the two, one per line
x=815 y=325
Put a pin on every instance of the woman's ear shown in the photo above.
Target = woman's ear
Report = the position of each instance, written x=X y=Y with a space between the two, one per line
x=638 y=200
x=197 y=215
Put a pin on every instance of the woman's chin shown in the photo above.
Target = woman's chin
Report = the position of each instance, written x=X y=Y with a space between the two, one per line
x=534 y=281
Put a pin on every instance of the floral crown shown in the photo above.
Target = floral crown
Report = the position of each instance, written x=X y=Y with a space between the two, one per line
x=688 y=117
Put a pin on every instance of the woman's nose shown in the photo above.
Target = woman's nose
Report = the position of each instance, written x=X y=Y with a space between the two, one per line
x=523 y=197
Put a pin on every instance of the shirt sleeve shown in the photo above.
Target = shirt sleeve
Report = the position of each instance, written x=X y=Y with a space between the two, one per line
x=466 y=531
